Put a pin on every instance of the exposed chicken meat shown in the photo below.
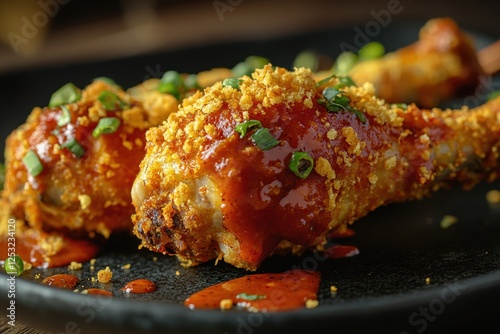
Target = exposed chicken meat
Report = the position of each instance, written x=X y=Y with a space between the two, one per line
x=205 y=191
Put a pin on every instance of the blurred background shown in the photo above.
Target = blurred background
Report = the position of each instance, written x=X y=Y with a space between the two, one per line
x=35 y=33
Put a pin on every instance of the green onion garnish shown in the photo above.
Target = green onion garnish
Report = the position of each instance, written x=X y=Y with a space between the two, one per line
x=307 y=59
x=2 y=176
x=247 y=296
x=248 y=66
x=14 y=265
x=344 y=63
x=370 y=51
x=231 y=82
x=111 y=101
x=345 y=81
x=246 y=126
x=191 y=82
x=263 y=139
x=65 y=117
x=74 y=146
x=171 y=83
x=107 y=80
x=301 y=164
x=106 y=125
x=256 y=61
x=335 y=102
x=68 y=93
x=33 y=163
x=493 y=95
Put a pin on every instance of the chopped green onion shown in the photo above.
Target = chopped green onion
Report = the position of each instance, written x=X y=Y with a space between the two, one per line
x=256 y=61
x=344 y=63
x=68 y=93
x=400 y=105
x=2 y=176
x=231 y=82
x=263 y=139
x=65 y=117
x=335 y=102
x=74 y=146
x=246 y=126
x=344 y=81
x=107 y=80
x=493 y=95
x=111 y=101
x=325 y=80
x=247 y=296
x=307 y=59
x=33 y=163
x=242 y=69
x=248 y=66
x=370 y=51
x=301 y=164
x=171 y=83
x=191 y=82
x=14 y=265
x=106 y=125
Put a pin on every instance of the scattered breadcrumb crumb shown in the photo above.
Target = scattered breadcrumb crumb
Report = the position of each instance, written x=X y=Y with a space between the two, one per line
x=155 y=258
x=27 y=265
x=92 y=262
x=104 y=275
x=226 y=304
x=85 y=201
x=447 y=221
x=427 y=280
x=333 y=288
x=75 y=265
x=92 y=279
x=311 y=303
x=493 y=196
x=126 y=266
x=177 y=273
x=37 y=276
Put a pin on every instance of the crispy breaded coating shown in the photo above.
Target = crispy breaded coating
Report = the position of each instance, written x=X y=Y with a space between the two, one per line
x=204 y=191
x=79 y=196
x=441 y=65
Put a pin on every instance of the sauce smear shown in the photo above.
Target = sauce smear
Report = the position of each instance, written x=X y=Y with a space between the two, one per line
x=29 y=248
x=341 y=251
x=261 y=292
x=140 y=286
x=99 y=292
x=64 y=281
x=347 y=233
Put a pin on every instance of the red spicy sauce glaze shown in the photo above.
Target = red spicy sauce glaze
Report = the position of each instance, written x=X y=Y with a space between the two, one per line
x=140 y=286
x=340 y=251
x=98 y=292
x=346 y=233
x=64 y=281
x=278 y=204
x=28 y=247
x=261 y=292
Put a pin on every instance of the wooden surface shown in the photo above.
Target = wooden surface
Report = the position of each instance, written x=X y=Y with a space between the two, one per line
x=78 y=33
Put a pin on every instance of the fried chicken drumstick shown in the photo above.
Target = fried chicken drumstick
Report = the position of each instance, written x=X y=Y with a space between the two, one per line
x=226 y=177
x=440 y=65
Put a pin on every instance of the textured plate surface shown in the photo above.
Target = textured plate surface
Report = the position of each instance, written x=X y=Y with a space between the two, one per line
x=383 y=289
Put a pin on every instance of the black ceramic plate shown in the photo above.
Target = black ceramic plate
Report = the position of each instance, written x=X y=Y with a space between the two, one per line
x=381 y=290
